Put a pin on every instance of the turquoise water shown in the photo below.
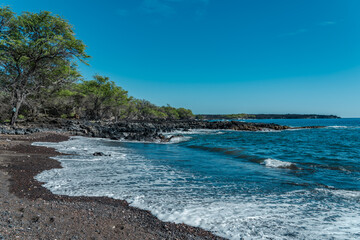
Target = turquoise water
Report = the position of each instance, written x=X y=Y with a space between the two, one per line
x=294 y=184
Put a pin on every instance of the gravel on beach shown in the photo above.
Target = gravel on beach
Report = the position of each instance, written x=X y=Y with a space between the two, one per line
x=30 y=211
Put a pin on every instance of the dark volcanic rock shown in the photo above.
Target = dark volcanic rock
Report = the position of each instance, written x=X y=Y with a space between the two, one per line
x=101 y=154
x=135 y=130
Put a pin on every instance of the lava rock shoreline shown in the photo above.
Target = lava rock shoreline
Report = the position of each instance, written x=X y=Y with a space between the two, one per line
x=135 y=130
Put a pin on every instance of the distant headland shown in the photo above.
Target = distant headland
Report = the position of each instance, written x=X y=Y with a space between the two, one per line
x=264 y=116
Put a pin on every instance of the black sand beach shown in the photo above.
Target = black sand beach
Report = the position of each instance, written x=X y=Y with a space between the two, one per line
x=29 y=211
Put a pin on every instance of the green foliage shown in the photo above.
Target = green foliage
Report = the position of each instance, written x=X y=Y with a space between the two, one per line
x=37 y=50
x=239 y=116
x=97 y=99
x=101 y=97
x=185 y=113
x=39 y=76
x=171 y=112
x=66 y=93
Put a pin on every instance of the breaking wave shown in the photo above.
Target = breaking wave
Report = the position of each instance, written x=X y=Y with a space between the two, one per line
x=274 y=163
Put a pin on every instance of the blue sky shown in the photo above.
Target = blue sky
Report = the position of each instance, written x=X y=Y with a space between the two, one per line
x=223 y=56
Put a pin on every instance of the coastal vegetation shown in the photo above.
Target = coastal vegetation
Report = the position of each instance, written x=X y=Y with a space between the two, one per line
x=39 y=76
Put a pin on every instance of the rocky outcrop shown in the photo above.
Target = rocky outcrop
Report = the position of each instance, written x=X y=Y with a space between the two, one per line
x=135 y=131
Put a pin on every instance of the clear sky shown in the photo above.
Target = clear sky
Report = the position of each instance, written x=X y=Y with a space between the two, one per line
x=223 y=56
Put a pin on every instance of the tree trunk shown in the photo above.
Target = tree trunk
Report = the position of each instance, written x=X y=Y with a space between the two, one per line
x=96 y=110
x=15 y=114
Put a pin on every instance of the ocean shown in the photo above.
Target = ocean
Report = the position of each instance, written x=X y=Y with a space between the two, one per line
x=292 y=184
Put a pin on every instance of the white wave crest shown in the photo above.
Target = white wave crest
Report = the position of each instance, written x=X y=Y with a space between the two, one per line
x=177 y=139
x=337 y=127
x=274 y=163
x=194 y=131
x=176 y=196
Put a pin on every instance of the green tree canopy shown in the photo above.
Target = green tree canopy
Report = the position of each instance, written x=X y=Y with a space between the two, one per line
x=37 y=50
x=185 y=113
x=102 y=97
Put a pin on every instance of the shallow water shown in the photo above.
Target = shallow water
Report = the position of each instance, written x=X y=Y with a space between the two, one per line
x=300 y=184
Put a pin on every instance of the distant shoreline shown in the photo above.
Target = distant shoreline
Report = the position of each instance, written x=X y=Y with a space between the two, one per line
x=265 y=116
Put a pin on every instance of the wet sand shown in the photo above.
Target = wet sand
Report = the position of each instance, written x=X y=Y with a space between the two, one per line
x=30 y=211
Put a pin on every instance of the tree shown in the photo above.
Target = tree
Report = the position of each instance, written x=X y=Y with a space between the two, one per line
x=37 y=50
x=102 y=97
x=171 y=112
x=146 y=109
x=185 y=113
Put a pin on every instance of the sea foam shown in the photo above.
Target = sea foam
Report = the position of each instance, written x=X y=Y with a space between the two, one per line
x=274 y=163
x=179 y=194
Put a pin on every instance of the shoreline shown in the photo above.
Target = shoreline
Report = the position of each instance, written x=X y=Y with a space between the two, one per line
x=30 y=211
x=135 y=130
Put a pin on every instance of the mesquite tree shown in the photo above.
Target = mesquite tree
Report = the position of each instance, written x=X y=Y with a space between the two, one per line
x=37 y=50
